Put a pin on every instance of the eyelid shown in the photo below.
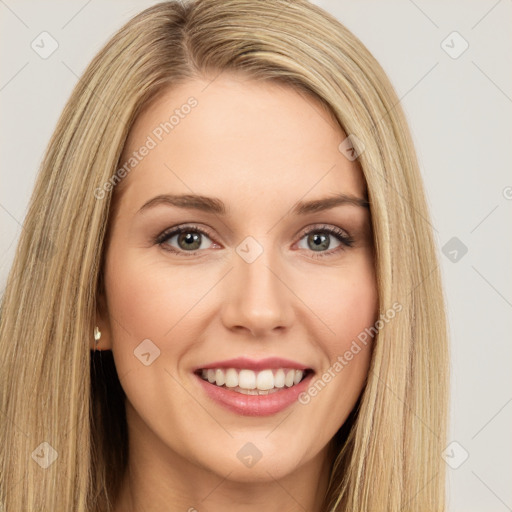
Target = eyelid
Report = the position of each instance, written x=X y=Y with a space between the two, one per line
x=330 y=228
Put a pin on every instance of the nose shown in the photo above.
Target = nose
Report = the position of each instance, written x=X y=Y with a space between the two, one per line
x=257 y=298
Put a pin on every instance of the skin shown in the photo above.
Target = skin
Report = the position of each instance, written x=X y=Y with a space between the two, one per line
x=260 y=148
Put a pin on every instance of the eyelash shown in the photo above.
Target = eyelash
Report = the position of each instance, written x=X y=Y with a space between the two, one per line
x=345 y=239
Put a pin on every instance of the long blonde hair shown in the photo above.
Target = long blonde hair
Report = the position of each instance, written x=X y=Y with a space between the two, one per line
x=54 y=389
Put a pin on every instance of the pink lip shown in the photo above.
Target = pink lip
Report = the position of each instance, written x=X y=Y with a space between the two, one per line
x=255 y=405
x=251 y=364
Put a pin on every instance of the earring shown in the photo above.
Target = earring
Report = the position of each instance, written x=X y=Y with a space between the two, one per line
x=97 y=335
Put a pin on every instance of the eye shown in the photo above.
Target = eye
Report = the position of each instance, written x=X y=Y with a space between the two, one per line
x=318 y=240
x=189 y=239
x=186 y=238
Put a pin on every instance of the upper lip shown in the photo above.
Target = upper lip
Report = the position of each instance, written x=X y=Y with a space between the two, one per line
x=255 y=364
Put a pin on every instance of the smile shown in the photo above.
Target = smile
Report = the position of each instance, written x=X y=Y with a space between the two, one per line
x=250 y=387
x=250 y=382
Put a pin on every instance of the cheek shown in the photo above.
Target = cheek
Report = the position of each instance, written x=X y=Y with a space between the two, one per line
x=151 y=300
x=358 y=312
x=346 y=300
x=358 y=306
x=147 y=297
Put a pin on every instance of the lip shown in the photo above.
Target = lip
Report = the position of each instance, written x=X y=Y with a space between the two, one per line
x=253 y=364
x=254 y=405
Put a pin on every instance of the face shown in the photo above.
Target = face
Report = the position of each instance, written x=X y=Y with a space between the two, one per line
x=260 y=292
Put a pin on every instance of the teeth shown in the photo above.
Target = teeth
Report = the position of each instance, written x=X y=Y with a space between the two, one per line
x=279 y=379
x=231 y=378
x=220 y=378
x=247 y=379
x=254 y=391
x=249 y=382
x=265 y=380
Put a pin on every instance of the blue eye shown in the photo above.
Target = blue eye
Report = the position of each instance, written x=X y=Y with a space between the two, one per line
x=190 y=239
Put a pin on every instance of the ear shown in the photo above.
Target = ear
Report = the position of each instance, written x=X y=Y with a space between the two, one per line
x=103 y=323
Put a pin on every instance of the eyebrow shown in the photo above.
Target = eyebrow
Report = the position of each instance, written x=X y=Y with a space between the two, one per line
x=216 y=206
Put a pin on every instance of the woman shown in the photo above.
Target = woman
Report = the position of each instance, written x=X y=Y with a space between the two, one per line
x=212 y=305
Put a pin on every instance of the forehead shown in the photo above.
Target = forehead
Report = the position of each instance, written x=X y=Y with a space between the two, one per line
x=238 y=139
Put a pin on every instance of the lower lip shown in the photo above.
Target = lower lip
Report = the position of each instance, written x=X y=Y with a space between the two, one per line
x=255 y=405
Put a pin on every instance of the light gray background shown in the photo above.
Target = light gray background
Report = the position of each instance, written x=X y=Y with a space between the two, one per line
x=460 y=116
